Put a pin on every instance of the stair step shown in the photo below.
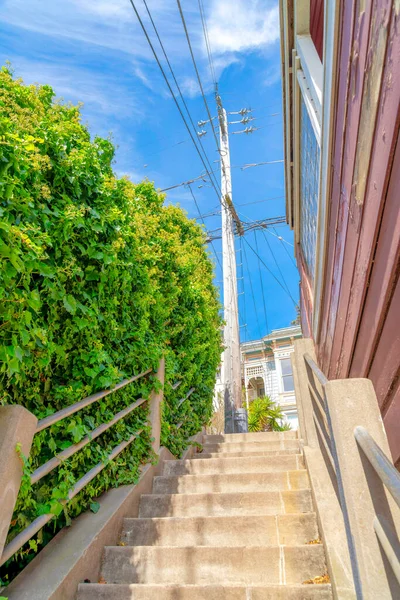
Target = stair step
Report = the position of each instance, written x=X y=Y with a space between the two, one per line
x=218 y=531
x=204 y=505
x=274 y=444
x=252 y=464
x=95 y=591
x=264 y=436
x=256 y=565
x=235 y=482
x=242 y=454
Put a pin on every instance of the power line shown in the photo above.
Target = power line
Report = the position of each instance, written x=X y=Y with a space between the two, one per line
x=244 y=325
x=262 y=284
x=215 y=212
x=198 y=210
x=197 y=71
x=216 y=234
x=252 y=292
x=208 y=45
x=167 y=148
x=276 y=262
x=166 y=79
x=243 y=167
x=268 y=374
x=280 y=238
x=177 y=85
x=269 y=270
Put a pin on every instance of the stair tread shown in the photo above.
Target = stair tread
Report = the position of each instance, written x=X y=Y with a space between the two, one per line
x=96 y=591
x=293 y=529
x=230 y=503
x=231 y=482
x=205 y=564
x=248 y=453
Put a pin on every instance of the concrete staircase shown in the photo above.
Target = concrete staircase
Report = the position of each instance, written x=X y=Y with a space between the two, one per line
x=233 y=523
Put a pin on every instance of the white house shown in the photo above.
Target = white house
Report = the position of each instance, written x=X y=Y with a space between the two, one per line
x=267 y=369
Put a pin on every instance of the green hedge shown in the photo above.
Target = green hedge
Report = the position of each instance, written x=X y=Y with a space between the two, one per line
x=98 y=279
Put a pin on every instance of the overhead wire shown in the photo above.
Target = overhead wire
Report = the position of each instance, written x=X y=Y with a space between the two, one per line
x=201 y=217
x=265 y=307
x=179 y=89
x=271 y=272
x=243 y=167
x=244 y=318
x=197 y=71
x=275 y=261
x=261 y=284
x=252 y=292
x=168 y=84
x=208 y=45
x=280 y=238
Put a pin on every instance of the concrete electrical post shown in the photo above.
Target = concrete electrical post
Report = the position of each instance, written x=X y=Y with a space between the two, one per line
x=235 y=415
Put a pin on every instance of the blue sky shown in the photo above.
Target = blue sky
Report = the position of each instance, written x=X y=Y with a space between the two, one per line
x=93 y=51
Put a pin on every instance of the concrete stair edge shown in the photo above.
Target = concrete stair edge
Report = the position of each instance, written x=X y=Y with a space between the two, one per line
x=96 y=591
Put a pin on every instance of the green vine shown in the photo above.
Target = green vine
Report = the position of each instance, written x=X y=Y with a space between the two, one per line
x=98 y=280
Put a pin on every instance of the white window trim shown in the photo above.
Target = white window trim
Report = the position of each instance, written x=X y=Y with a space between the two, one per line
x=331 y=42
x=313 y=70
x=300 y=86
x=309 y=102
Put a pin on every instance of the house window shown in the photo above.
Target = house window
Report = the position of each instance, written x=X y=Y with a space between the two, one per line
x=261 y=392
x=287 y=375
x=309 y=184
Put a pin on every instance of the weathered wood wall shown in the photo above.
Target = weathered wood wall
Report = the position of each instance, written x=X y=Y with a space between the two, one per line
x=317 y=25
x=360 y=314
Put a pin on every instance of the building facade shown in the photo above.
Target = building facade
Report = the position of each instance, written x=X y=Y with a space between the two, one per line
x=267 y=370
x=341 y=99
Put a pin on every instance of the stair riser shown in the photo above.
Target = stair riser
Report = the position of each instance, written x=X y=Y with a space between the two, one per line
x=220 y=466
x=250 y=437
x=252 y=446
x=246 y=454
x=210 y=505
x=252 y=482
x=207 y=592
x=221 y=531
x=249 y=565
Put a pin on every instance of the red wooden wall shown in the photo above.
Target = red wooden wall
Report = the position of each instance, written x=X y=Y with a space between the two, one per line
x=317 y=25
x=360 y=313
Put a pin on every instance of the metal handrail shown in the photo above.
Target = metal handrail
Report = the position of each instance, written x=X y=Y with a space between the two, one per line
x=386 y=472
x=389 y=543
x=326 y=440
x=70 y=410
x=54 y=462
x=321 y=404
x=41 y=521
x=190 y=392
x=316 y=370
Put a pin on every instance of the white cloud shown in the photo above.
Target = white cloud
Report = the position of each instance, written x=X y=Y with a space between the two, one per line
x=242 y=25
x=110 y=27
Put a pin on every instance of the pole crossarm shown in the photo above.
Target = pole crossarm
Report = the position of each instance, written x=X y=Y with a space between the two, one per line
x=216 y=234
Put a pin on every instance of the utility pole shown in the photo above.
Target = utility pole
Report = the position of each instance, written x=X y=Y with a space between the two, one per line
x=235 y=415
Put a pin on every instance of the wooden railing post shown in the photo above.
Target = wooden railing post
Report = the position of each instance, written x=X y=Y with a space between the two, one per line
x=155 y=407
x=17 y=426
x=352 y=403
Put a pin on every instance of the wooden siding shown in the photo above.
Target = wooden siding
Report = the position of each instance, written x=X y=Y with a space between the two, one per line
x=317 y=25
x=360 y=312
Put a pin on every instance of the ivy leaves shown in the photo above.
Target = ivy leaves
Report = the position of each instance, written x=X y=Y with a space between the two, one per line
x=98 y=279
